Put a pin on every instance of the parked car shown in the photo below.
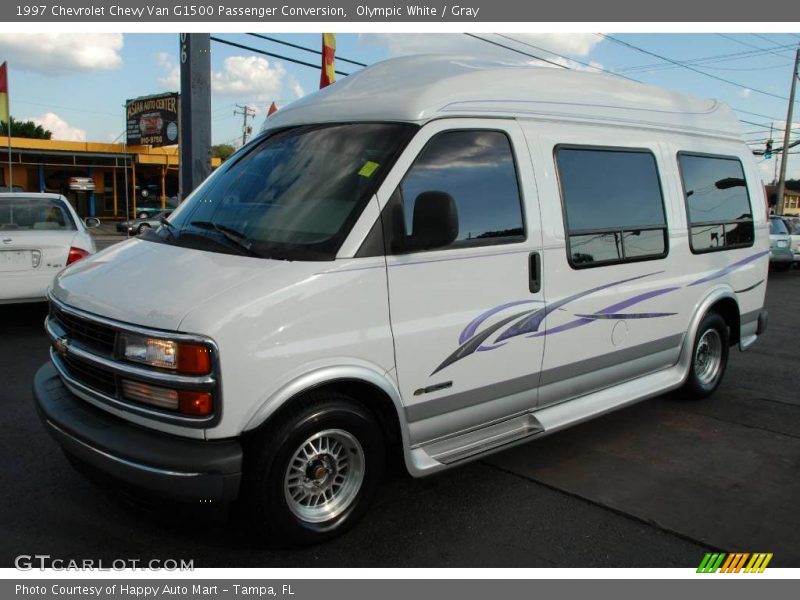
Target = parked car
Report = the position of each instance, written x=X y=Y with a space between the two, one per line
x=377 y=272
x=781 y=256
x=793 y=225
x=139 y=226
x=151 y=207
x=14 y=188
x=40 y=234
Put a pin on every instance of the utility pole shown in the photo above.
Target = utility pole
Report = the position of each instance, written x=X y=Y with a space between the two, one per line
x=775 y=173
x=194 y=118
x=786 y=134
x=246 y=113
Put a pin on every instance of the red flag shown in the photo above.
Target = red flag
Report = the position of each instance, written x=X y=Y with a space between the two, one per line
x=4 y=93
x=273 y=108
x=328 y=75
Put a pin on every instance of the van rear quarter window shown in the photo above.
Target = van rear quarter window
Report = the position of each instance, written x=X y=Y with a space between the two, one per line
x=613 y=205
x=717 y=202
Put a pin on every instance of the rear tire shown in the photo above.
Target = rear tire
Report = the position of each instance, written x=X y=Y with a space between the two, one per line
x=709 y=357
x=311 y=474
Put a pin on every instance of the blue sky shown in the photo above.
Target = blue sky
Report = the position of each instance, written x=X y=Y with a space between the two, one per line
x=76 y=84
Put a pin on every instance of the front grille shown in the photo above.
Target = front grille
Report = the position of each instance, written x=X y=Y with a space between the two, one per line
x=84 y=352
x=94 y=336
x=89 y=375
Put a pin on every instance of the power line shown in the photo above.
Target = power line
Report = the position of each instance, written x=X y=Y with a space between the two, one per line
x=271 y=54
x=749 y=45
x=593 y=66
x=689 y=67
x=575 y=60
x=705 y=60
x=517 y=51
x=299 y=47
x=749 y=112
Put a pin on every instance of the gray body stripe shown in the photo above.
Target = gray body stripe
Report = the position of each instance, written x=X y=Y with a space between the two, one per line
x=609 y=360
x=446 y=404
x=749 y=317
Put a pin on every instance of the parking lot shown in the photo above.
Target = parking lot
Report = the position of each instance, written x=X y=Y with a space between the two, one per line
x=654 y=485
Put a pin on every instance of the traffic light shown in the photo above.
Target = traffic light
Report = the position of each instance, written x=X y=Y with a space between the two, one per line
x=768 y=150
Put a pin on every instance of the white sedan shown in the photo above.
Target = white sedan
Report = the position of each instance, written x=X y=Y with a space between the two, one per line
x=40 y=234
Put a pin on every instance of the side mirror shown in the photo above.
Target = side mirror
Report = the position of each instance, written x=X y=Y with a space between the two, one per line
x=435 y=222
x=91 y=222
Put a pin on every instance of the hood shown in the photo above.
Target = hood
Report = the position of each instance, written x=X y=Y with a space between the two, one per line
x=156 y=285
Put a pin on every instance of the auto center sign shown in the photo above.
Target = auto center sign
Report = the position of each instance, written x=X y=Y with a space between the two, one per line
x=153 y=120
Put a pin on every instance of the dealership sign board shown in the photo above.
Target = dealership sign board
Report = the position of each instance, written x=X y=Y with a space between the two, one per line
x=153 y=120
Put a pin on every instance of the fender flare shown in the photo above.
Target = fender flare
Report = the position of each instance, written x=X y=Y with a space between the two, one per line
x=711 y=297
x=331 y=374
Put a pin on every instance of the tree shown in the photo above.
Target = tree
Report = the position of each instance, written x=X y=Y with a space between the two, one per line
x=25 y=129
x=222 y=151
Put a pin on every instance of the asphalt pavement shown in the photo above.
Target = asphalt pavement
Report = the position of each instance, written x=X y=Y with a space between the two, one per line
x=655 y=485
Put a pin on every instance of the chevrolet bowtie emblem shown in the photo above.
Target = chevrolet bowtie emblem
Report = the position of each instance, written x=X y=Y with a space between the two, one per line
x=61 y=347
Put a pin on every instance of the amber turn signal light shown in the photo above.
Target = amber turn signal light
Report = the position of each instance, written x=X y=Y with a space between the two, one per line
x=198 y=404
x=194 y=359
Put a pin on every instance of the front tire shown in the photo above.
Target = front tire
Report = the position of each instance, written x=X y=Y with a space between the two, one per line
x=311 y=475
x=709 y=357
x=143 y=228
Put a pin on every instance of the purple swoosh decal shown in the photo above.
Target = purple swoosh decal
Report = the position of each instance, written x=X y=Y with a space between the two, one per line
x=635 y=300
x=529 y=321
x=729 y=268
x=531 y=324
x=623 y=316
x=470 y=329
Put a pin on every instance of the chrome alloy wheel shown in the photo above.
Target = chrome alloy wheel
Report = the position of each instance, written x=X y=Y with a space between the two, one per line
x=708 y=357
x=324 y=476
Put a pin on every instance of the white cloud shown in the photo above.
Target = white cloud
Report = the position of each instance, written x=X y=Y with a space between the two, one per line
x=745 y=92
x=60 y=128
x=296 y=88
x=171 y=80
x=57 y=53
x=573 y=44
x=248 y=77
x=242 y=78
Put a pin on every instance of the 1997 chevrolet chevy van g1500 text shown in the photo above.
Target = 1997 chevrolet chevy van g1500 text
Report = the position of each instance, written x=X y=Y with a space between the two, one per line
x=436 y=256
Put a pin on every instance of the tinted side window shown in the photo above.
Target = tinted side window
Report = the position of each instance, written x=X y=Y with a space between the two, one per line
x=461 y=191
x=717 y=203
x=613 y=206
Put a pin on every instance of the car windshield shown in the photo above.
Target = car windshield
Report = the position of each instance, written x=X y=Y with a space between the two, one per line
x=36 y=214
x=777 y=227
x=293 y=195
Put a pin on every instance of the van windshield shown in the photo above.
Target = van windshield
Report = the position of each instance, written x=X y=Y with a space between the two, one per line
x=294 y=195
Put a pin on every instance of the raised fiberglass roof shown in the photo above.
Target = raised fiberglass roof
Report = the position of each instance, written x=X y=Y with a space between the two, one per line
x=424 y=87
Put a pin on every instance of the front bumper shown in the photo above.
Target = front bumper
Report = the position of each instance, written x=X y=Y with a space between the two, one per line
x=163 y=464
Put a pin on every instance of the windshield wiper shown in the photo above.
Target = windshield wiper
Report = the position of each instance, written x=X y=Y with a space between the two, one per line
x=238 y=238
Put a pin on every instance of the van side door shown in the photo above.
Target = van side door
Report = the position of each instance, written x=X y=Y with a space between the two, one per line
x=615 y=311
x=463 y=252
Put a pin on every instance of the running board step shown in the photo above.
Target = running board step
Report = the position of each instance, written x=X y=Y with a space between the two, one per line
x=480 y=441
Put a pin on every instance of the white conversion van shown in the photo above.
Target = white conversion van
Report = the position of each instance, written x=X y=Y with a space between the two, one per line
x=436 y=257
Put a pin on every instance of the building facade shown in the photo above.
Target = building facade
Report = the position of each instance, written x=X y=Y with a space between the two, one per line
x=100 y=180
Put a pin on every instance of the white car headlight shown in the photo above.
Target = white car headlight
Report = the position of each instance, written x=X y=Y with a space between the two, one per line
x=150 y=351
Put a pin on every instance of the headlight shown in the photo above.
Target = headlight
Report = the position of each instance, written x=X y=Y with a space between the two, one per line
x=184 y=357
